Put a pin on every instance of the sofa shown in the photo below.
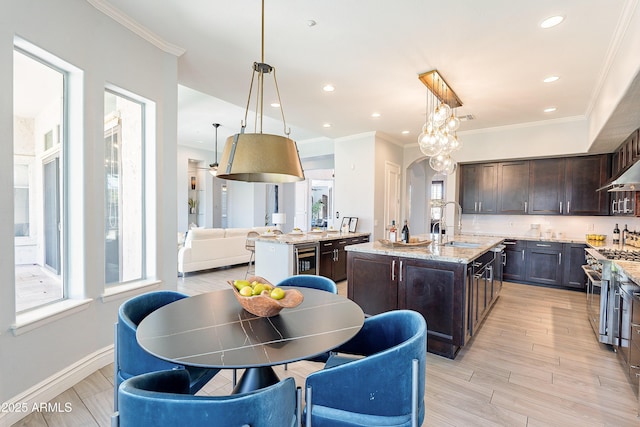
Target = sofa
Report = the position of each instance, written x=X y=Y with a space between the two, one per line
x=206 y=248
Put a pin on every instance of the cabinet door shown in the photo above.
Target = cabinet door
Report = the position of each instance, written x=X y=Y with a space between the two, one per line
x=469 y=188
x=514 y=268
x=433 y=289
x=584 y=175
x=327 y=256
x=488 y=189
x=340 y=261
x=372 y=282
x=573 y=258
x=513 y=187
x=546 y=186
x=544 y=263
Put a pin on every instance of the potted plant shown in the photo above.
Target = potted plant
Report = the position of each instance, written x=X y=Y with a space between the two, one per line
x=193 y=204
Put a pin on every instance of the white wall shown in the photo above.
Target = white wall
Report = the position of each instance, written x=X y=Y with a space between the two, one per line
x=106 y=53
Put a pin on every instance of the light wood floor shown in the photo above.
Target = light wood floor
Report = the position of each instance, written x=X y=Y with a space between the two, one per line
x=535 y=362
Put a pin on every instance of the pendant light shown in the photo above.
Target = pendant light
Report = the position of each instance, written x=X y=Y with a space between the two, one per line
x=261 y=157
x=213 y=167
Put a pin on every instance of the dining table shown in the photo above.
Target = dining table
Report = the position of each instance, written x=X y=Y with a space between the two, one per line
x=212 y=330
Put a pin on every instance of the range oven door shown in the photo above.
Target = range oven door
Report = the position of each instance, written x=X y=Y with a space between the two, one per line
x=598 y=304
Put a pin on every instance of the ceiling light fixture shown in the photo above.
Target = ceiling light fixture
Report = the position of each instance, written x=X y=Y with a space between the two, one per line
x=438 y=138
x=552 y=21
x=551 y=79
x=550 y=109
x=213 y=167
x=375 y=115
x=261 y=157
x=328 y=88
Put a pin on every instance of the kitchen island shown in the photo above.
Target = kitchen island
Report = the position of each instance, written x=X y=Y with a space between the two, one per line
x=322 y=253
x=451 y=285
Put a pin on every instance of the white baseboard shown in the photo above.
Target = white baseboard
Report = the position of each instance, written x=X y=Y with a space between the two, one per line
x=56 y=384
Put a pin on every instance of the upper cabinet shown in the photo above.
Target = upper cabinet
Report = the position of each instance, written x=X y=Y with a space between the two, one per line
x=478 y=193
x=513 y=187
x=556 y=186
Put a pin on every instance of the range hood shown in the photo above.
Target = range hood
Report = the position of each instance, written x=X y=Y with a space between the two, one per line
x=627 y=180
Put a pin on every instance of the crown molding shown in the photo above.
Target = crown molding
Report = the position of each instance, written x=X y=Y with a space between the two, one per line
x=129 y=23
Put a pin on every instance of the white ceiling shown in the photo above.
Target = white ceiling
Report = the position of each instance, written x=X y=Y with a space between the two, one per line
x=492 y=52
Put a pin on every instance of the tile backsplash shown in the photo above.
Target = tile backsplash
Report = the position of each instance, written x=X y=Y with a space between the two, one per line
x=572 y=227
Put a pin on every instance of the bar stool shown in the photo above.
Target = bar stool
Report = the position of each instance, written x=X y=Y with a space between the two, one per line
x=250 y=245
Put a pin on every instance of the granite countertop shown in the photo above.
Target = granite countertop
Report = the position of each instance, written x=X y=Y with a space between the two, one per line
x=311 y=237
x=563 y=239
x=433 y=251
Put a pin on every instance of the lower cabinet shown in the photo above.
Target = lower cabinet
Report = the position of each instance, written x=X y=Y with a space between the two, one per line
x=333 y=257
x=545 y=263
x=441 y=291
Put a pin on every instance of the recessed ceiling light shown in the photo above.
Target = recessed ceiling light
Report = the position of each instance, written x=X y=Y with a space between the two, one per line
x=552 y=21
x=375 y=115
x=405 y=132
x=326 y=125
x=311 y=23
x=551 y=79
x=329 y=88
x=275 y=105
x=550 y=109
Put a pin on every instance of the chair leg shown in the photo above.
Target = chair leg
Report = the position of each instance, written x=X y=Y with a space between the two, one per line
x=234 y=377
x=414 y=392
x=309 y=407
x=298 y=407
x=115 y=367
x=115 y=420
x=249 y=265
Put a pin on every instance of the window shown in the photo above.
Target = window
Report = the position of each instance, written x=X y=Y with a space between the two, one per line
x=437 y=193
x=124 y=188
x=38 y=149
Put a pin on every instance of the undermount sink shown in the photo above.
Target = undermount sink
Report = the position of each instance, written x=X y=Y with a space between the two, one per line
x=456 y=244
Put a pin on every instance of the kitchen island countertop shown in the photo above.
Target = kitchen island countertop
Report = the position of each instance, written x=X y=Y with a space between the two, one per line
x=433 y=251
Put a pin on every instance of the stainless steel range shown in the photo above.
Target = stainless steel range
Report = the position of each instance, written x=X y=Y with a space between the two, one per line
x=601 y=298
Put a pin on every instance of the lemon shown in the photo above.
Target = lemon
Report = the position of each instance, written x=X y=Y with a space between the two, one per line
x=277 y=293
x=246 y=291
x=241 y=283
x=257 y=289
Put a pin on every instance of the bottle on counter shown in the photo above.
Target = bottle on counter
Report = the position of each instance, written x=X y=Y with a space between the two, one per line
x=405 y=232
x=625 y=235
x=393 y=232
x=616 y=235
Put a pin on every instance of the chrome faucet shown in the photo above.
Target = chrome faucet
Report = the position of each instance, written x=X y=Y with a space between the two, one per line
x=442 y=222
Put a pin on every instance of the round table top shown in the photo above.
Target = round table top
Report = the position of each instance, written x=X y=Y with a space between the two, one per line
x=213 y=330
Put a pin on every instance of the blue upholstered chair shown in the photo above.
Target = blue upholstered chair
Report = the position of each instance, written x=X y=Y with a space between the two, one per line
x=316 y=282
x=310 y=281
x=376 y=379
x=162 y=399
x=130 y=359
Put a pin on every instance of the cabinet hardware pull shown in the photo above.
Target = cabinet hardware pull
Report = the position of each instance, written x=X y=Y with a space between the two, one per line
x=560 y=207
x=613 y=206
x=504 y=259
x=342 y=243
x=525 y=207
x=393 y=270
x=327 y=244
x=479 y=206
x=543 y=245
x=400 y=271
x=475 y=207
x=568 y=206
x=523 y=254
x=506 y=242
x=560 y=258
x=490 y=273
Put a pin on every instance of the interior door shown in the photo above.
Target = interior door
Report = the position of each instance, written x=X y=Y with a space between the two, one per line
x=51 y=178
x=392 y=193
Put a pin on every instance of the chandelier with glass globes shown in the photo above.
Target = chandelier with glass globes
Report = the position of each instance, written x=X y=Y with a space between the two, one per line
x=438 y=138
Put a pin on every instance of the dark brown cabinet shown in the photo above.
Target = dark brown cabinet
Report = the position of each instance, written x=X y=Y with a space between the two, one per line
x=479 y=188
x=546 y=186
x=556 y=186
x=333 y=257
x=583 y=176
x=544 y=263
x=573 y=258
x=514 y=266
x=442 y=292
x=513 y=187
